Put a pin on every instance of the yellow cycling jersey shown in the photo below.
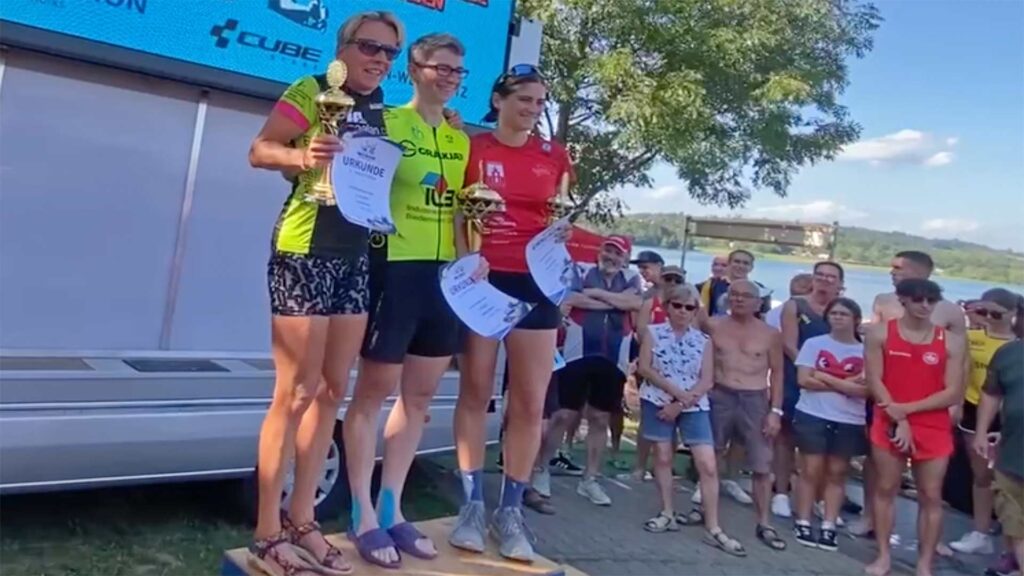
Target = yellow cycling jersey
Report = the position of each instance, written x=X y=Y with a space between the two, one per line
x=982 y=347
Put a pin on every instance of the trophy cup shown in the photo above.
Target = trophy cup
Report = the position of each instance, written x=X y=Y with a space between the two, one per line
x=332 y=107
x=476 y=202
x=560 y=205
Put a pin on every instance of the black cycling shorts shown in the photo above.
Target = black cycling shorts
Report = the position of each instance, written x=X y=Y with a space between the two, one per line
x=520 y=285
x=306 y=285
x=408 y=313
x=593 y=380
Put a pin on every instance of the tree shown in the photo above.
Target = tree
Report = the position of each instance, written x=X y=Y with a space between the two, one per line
x=735 y=94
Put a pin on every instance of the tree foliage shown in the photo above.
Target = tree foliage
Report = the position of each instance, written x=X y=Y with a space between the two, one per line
x=735 y=94
x=854 y=246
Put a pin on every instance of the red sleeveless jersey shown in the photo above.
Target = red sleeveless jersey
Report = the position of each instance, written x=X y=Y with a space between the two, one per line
x=911 y=372
x=658 y=315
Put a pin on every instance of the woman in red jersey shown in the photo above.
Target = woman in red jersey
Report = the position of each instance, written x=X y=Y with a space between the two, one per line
x=526 y=170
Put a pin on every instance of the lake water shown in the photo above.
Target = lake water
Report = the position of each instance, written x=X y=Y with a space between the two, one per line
x=862 y=284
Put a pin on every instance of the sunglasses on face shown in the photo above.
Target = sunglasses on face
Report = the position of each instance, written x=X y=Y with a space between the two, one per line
x=984 y=313
x=672 y=279
x=681 y=306
x=371 y=48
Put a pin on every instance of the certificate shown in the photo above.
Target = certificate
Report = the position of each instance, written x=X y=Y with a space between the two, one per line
x=485 y=309
x=362 y=181
x=550 y=264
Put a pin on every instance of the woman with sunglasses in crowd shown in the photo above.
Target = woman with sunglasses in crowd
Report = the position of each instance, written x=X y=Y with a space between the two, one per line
x=829 y=418
x=1000 y=312
x=317 y=276
x=677 y=364
x=525 y=170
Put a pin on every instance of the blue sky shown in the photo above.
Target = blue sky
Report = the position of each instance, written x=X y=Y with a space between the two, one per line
x=941 y=103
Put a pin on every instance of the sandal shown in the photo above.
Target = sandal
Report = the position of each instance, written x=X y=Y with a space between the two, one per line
x=691 y=518
x=264 y=551
x=332 y=564
x=405 y=536
x=372 y=540
x=721 y=541
x=770 y=537
x=661 y=523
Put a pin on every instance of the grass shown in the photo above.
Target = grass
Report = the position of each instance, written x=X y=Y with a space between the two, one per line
x=146 y=531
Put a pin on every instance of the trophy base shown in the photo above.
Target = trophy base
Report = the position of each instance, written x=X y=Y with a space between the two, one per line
x=320 y=197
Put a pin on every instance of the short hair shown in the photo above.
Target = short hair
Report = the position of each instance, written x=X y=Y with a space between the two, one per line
x=425 y=46
x=351 y=26
x=740 y=251
x=836 y=265
x=683 y=292
x=918 y=288
x=753 y=285
x=800 y=284
x=917 y=257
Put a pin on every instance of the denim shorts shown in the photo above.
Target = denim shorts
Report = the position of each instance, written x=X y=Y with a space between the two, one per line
x=695 y=427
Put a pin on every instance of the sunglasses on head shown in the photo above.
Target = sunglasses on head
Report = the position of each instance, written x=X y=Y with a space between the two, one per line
x=521 y=71
x=371 y=48
x=681 y=306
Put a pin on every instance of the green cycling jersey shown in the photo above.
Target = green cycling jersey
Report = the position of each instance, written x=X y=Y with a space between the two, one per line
x=432 y=168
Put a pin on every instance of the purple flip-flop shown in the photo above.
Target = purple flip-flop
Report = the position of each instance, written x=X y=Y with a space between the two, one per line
x=405 y=536
x=375 y=539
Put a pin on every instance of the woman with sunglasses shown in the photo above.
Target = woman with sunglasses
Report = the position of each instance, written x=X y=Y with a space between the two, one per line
x=829 y=418
x=526 y=171
x=317 y=277
x=1001 y=311
x=677 y=364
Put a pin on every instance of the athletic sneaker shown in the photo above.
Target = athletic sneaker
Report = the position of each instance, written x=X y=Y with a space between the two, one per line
x=696 y=498
x=781 y=507
x=827 y=539
x=1006 y=565
x=973 y=542
x=738 y=494
x=508 y=527
x=804 y=534
x=563 y=464
x=591 y=490
x=541 y=481
x=469 y=528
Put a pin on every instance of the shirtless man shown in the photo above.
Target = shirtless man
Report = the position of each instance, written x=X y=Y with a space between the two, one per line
x=747 y=352
x=914 y=369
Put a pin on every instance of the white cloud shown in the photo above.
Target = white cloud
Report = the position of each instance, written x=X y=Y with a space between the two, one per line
x=904 y=147
x=662 y=192
x=811 y=211
x=949 y=225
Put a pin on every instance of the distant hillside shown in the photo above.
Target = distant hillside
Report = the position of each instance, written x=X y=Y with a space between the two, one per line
x=954 y=258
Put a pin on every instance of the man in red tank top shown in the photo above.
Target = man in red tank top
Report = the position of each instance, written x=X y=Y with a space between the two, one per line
x=914 y=370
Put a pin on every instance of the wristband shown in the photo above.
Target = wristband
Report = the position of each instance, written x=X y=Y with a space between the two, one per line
x=778 y=411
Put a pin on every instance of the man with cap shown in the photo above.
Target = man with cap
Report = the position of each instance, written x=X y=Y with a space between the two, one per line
x=597 y=357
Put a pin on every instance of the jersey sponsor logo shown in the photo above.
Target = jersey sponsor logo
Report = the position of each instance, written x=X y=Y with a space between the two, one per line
x=417 y=133
x=436 y=192
x=494 y=173
x=410 y=149
x=930 y=358
x=231 y=34
x=377 y=240
x=312 y=15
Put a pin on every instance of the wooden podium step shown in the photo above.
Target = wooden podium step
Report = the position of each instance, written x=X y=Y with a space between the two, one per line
x=450 y=562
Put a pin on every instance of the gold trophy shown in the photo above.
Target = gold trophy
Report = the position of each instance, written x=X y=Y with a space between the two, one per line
x=476 y=202
x=560 y=205
x=332 y=108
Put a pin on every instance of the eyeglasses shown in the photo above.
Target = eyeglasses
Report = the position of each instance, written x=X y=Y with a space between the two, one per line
x=371 y=48
x=681 y=306
x=445 y=70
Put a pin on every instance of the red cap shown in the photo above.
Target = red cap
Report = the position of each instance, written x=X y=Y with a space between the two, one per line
x=621 y=242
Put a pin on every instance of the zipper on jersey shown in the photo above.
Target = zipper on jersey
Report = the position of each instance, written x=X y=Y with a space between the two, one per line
x=440 y=193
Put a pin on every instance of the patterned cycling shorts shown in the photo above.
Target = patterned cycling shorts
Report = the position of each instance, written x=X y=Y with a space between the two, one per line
x=317 y=286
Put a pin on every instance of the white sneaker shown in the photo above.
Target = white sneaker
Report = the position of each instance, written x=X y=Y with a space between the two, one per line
x=737 y=493
x=696 y=498
x=973 y=542
x=591 y=490
x=781 y=507
x=541 y=481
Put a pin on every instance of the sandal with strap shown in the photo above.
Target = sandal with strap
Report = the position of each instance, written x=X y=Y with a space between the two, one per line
x=661 y=523
x=722 y=541
x=692 y=518
x=332 y=564
x=405 y=536
x=770 y=537
x=264 y=551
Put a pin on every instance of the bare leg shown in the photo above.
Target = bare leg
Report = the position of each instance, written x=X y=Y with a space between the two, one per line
x=981 y=489
x=663 y=456
x=558 y=427
x=531 y=354
x=888 y=472
x=643 y=455
x=782 y=461
x=707 y=469
x=762 y=497
x=812 y=469
x=928 y=476
x=476 y=385
x=835 y=486
x=597 y=439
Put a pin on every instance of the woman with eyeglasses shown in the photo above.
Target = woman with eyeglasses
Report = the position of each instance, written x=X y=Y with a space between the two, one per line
x=317 y=277
x=1003 y=314
x=411 y=336
x=525 y=170
x=677 y=364
x=829 y=418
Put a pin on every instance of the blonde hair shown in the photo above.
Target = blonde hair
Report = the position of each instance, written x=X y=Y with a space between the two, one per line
x=680 y=292
x=351 y=26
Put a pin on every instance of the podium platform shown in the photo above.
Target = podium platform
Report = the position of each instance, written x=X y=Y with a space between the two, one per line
x=450 y=562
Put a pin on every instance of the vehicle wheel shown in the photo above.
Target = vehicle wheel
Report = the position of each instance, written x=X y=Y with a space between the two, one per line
x=332 y=492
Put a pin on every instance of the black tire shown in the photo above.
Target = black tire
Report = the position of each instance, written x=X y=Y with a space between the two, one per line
x=330 y=506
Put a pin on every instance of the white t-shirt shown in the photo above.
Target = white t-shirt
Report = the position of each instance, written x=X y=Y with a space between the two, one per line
x=825 y=354
x=678 y=360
